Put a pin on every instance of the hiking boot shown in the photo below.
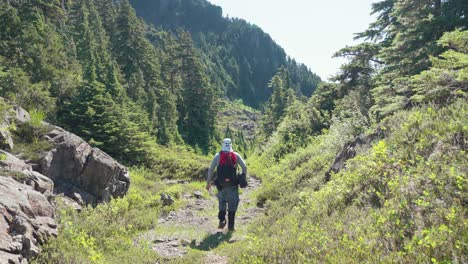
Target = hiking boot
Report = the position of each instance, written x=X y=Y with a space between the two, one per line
x=222 y=224
x=231 y=216
x=222 y=219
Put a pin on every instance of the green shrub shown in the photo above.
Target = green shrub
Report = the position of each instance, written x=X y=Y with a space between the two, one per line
x=177 y=163
x=400 y=201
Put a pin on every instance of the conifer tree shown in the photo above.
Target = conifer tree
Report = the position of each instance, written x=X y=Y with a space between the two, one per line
x=197 y=106
x=407 y=32
x=281 y=98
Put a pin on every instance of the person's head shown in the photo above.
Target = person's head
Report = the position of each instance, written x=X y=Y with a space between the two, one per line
x=226 y=145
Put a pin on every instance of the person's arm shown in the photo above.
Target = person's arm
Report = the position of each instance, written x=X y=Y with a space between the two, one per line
x=241 y=162
x=214 y=162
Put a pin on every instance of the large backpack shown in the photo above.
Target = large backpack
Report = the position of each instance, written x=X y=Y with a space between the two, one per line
x=226 y=174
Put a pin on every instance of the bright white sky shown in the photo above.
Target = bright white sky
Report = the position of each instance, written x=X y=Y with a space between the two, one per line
x=310 y=31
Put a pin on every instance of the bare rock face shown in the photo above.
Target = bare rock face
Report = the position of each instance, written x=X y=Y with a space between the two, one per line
x=78 y=168
x=27 y=215
x=350 y=150
x=21 y=115
x=6 y=141
x=13 y=163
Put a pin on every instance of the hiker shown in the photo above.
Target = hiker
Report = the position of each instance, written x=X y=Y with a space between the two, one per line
x=226 y=182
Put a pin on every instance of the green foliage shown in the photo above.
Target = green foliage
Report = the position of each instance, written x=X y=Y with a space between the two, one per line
x=448 y=76
x=98 y=70
x=178 y=163
x=401 y=200
x=89 y=66
x=34 y=150
x=197 y=108
x=37 y=117
x=35 y=66
x=15 y=86
x=282 y=176
x=5 y=107
x=281 y=98
x=237 y=122
x=407 y=34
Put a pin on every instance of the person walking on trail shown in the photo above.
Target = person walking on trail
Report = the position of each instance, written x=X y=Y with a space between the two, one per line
x=226 y=182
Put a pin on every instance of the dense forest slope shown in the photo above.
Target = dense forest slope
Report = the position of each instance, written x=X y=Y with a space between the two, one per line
x=142 y=84
x=240 y=57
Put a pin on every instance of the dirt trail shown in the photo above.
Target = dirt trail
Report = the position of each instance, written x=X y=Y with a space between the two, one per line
x=194 y=226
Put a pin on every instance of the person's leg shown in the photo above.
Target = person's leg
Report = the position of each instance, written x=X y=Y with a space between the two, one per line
x=222 y=208
x=231 y=219
x=232 y=195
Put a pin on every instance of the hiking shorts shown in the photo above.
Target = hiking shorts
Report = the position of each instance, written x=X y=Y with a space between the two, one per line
x=228 y=199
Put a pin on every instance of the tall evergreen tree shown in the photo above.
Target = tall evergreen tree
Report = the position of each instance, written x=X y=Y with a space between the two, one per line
x=197 y=109
x=281 y=98
x=138 y=60
x=407 y=32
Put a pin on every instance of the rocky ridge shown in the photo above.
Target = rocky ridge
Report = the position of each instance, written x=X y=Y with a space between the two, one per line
x=72 y=169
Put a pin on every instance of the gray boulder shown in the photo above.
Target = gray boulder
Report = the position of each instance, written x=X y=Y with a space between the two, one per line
x=166 y=199
x=74 y=164
x=26 y=219
x=198 y=194
x=21 y=115
x=13 y=163
x=6 y=140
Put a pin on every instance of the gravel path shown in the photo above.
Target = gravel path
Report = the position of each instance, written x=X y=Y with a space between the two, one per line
x=195 y=225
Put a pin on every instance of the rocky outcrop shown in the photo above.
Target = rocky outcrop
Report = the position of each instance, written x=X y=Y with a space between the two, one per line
x=6 y=141
x=17 y=115
x=27 y=211
x=350 y=150
x=80 y=170
x=72 y=169
x=239 y=119
x=27 y=214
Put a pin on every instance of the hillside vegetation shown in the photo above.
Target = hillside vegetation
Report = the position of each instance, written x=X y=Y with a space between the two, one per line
x=372 y=168
x=368 y=168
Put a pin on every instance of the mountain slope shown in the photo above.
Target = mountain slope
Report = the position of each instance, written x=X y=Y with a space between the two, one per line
x=241 y=58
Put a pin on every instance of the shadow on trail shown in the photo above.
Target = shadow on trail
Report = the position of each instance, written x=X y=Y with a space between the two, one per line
x=212 y=241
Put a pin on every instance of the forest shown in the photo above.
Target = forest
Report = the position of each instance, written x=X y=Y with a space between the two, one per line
x=367 y=167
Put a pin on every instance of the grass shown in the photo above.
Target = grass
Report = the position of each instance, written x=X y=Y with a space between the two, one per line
x=178 y=163
x=18 y=175
x=187 y=232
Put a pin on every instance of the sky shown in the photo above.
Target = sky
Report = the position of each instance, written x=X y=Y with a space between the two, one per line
x=310 y=31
